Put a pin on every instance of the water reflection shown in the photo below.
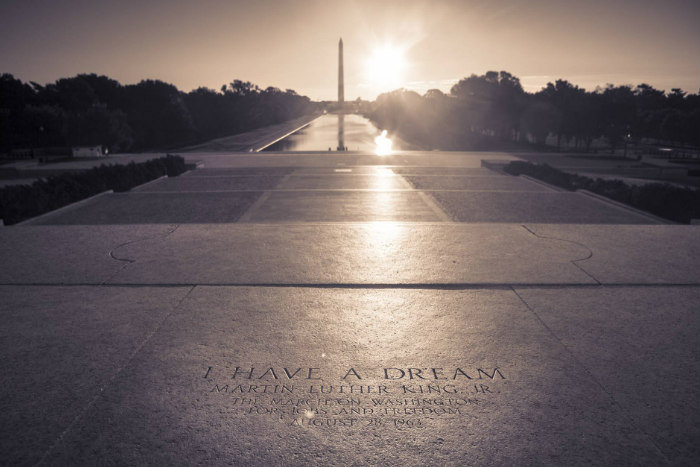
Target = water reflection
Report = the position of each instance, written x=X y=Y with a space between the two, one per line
x=383 y=144
x=332 y=131
x=341 y=133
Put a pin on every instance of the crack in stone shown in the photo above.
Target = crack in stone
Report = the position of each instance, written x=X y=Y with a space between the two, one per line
x=573 y=261
x=590 y=252
x=129 y=260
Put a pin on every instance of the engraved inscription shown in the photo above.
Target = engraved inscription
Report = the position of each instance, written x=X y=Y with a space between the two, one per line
x=388 y=397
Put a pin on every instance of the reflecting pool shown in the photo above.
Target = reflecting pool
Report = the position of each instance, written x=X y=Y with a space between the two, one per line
x=335 y=132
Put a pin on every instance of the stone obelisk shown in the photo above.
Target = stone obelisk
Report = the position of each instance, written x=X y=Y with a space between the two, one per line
x=341 y=99
x=341 y=84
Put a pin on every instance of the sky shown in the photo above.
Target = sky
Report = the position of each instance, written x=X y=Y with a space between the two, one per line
x=293 y=44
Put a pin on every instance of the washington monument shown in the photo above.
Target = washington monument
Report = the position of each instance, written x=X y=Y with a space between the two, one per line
x=341 y=86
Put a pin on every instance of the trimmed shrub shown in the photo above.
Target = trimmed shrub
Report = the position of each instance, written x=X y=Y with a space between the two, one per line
x=661 y=199
x=20 y=202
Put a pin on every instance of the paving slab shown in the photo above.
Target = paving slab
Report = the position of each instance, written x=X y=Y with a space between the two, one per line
x=655 y=254
x=446 y=171
x=642 y=345
x=480 y=183
x=69 y=254
x=253 y=376
x=346 y=253
x=541 y=207
x=153 y=208
x=345 y=181
x=237 y=172
x=373 y=253
x=343 y=169
x=61 y=347
x=343 y=206
x=208 y=184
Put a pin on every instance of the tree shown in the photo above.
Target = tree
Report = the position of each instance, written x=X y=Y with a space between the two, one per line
x=157 y=114
x=42 y=126
x=73 y=94
x=89 y=109
x=242 y=88
x=540 y=118
x=492 y=103
x=99 y=126
x=618 y=113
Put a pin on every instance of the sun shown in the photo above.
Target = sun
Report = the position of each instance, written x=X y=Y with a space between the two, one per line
x=386 y=67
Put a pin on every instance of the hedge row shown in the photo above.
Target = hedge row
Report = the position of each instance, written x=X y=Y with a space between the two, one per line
x=20 y=202
x=664 y=200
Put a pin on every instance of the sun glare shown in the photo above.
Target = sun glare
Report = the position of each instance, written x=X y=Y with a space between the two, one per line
x=385 y=68
x=383 y=144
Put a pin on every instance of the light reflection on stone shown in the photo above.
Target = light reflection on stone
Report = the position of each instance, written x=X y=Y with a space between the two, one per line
x=383 y=234
x=383 y=179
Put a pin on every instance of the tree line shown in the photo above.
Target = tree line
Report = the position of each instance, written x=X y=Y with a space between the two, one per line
x=92 y=110
x=493 y=111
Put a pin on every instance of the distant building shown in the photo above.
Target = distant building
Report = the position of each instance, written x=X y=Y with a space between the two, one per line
x=88 y=151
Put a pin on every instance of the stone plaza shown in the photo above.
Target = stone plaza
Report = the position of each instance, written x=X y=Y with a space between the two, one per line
x=421 y=308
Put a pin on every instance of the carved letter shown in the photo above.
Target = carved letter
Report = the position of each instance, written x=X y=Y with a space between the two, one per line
x=290 y=376
x=492 y=375
x=238 y=368
x=269 y=370
x=353 y=372
x=386 y=373
x=459 y=371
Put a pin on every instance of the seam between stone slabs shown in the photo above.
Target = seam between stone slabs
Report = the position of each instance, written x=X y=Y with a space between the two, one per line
x=315 y=190
x=254 y=207
x=433 y=205
x=197 y=177
x=285 y=178
x=401 y=179
x=453 y=175
x=111 y=378
x=428 y=200
x=357 y=285
x=625 y=413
